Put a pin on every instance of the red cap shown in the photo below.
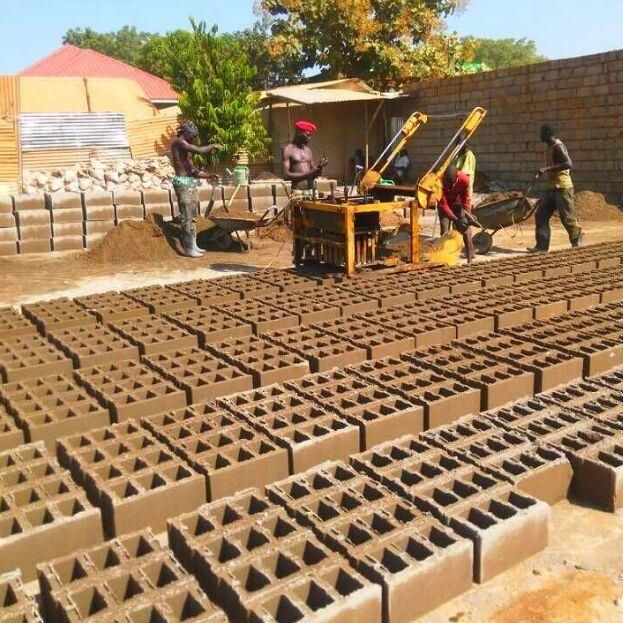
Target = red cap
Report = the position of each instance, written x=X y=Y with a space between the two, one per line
x=305 y=126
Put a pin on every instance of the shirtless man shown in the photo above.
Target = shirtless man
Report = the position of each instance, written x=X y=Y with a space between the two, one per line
x=298 y=163
x=185 y=183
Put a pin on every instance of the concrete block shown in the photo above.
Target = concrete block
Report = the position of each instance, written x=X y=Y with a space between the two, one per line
x=92 y=240
x=8 y=248
x=98 y=198
x=100 y=212
x=7 y=220
x=63 y=201
x=34 y=232
x=129 y=212
x=127 y=197
x=34 y=246
x=68 y=243
x=26 y=218
x=68 y=215
x=6 y=204
x=66 y=229
x=8 y=234
x=30 y=202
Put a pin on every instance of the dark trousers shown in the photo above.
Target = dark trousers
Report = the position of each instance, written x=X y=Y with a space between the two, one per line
x=445 y=224
x=556 y=200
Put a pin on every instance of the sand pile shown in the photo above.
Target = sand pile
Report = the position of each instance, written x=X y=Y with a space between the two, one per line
x=141 y=241
x=392 y=219
x=593 y=206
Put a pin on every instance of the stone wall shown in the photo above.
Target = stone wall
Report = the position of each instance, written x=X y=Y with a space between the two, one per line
x=582 y=97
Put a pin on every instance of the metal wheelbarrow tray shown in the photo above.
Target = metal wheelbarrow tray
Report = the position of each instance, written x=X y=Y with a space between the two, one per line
x=494 y=216
x=227 y=223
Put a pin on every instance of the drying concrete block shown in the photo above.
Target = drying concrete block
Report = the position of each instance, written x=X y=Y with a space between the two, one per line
x=8 y=234
x=8 y=248
x=6 y=204
x=100 y=212
x=164 y=209
x=129 y=212
x=127 y=198
x=98 y=227
x=92 y=240
x=29 y=218
x=7 y=219
x=98 y=198
x=34 y=246
x=30 y=202
x=34 y=232
x=66 y=229
x=62 y=201
x=67 y=215
x=68 y=243
x=156 y=196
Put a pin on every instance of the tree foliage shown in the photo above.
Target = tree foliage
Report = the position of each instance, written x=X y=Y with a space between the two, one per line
x=499 y=53
x=125 y=44
x=214 y=77
x=384 y=42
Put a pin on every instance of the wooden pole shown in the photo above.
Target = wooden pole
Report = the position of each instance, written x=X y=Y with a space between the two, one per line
x=365 y=116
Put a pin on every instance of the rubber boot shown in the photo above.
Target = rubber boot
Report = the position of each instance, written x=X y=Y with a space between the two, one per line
x=188 y=247
x=196 y=247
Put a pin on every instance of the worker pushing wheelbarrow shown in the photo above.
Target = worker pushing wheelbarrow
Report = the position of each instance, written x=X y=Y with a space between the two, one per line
x=493 y=216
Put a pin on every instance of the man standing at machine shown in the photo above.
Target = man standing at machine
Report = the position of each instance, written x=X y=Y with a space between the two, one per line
x=455 y=206
x=185 y=183
x=298 y=160
x=559 y=193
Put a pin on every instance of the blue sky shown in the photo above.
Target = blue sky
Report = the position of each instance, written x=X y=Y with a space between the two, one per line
x=30 y=29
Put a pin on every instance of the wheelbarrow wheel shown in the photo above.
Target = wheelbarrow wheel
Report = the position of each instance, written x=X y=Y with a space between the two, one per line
x=482 y=242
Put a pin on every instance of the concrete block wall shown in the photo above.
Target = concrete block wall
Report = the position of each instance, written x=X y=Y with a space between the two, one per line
x=73 y=221
x=582 y=97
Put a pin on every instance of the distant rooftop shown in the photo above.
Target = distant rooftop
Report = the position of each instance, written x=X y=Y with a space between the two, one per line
x=70 y=61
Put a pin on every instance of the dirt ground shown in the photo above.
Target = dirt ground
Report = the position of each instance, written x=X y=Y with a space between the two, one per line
x=45 y=276
x=577 y=579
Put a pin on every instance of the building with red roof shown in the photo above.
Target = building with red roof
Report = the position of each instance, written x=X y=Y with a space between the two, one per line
x=70 y=61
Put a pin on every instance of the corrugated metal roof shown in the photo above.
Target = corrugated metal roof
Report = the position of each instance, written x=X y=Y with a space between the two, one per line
x=73 y=62
x=66 y=130
x=345 y=90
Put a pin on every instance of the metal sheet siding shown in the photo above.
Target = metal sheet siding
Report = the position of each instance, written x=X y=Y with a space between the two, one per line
x=151 y=137
x=50 y=159
x=71 y=130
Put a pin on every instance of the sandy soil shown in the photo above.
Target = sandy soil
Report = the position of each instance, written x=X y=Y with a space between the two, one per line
x=577 y=579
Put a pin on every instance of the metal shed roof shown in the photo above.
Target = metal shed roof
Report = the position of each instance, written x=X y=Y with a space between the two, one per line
x=345 y=90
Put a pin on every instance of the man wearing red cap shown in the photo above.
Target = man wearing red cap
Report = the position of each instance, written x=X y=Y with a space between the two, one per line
x=298 y=161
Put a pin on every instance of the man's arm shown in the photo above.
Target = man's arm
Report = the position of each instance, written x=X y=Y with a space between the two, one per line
x=203 y=150
x=442 y=204
x=562 y=161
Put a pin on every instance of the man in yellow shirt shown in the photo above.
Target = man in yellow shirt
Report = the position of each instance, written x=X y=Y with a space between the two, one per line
x=559 y=194
x=466 y=161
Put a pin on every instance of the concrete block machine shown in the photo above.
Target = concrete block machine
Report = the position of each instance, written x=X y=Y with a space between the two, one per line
x=345 y=231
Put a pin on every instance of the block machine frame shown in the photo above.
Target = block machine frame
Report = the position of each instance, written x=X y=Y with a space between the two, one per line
x=345 y=231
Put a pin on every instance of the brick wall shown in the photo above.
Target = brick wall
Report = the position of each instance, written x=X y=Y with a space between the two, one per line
x=582 y=97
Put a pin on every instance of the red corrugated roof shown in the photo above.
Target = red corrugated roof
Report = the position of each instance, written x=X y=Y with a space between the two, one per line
x=73 y=62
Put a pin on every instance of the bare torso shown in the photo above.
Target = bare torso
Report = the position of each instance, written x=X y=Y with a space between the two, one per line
x=300 y=159
x=181 y=158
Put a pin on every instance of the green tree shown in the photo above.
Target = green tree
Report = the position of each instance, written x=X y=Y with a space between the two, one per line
x=124 y=44
x=385 y=42
x=214 y=78
x=499 y=53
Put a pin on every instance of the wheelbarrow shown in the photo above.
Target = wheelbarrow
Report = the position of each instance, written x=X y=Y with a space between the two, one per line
x=496 y=216
x=228 y=224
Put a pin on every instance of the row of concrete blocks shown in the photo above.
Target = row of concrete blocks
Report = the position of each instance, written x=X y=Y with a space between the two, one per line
x=481 y=371
x=493 y=368
x=68 y=221
x=135 y=479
